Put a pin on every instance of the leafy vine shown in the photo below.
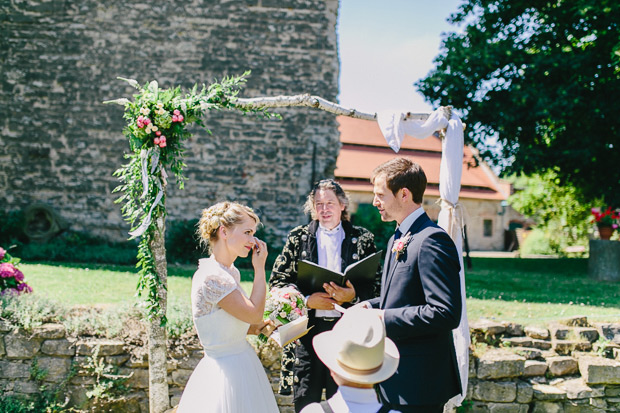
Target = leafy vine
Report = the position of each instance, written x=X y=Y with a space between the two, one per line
x=156 y=129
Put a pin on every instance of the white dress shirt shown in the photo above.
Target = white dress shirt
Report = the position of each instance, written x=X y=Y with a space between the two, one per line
x=349 y=400
x=329 y=246
x=407 y=222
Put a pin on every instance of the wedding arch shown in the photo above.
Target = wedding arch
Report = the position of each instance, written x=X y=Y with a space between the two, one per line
x=156 y=130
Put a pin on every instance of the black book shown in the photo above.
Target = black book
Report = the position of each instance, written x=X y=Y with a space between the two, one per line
x=311 y=276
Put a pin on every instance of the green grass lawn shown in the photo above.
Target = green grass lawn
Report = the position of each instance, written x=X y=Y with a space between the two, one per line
x=529 y=291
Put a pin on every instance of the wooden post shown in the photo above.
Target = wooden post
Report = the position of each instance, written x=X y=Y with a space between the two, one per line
x=604 y=261
x=159 y=399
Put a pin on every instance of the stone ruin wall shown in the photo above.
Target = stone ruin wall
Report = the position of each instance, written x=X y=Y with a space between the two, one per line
x=561 y=368
x=59 y=145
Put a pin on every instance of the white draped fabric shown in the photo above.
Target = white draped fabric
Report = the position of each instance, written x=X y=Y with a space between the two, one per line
x=394 y=127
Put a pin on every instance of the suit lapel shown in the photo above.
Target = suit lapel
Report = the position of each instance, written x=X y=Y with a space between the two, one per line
x=389 y=271
x=386 y=265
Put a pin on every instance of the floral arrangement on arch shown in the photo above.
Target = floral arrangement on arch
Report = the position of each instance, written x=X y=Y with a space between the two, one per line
x=11 y=278
x=606 y=217
x=156 y=128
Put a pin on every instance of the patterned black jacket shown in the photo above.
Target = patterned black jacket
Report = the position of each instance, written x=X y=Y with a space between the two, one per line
x=301 y=244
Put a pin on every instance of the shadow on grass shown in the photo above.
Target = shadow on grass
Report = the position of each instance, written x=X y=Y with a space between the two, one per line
x=557 y=281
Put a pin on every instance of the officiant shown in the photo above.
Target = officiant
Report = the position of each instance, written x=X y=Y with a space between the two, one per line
x=331 y=241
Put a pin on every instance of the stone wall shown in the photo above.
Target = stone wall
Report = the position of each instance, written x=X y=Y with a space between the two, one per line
x=570 y=367
x=566 y=367
x=59 y=145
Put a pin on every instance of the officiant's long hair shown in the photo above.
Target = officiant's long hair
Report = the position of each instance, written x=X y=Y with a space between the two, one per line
x=331 y=185
x=224 y=213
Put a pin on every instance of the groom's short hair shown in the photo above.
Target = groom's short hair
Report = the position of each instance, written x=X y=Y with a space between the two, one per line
x=402 y=173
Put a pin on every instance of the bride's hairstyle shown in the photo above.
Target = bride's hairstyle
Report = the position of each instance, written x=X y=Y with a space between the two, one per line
x=224 y=213
x=331 y=185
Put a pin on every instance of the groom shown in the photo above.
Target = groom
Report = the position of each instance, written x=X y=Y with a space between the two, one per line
x=420 y=293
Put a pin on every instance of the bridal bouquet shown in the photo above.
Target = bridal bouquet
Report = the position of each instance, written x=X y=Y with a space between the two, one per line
x=283 y=306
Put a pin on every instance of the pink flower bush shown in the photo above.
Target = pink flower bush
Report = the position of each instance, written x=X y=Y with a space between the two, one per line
x=11 y=278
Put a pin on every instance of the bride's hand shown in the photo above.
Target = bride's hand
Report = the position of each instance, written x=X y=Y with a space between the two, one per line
x=265 y=327
x=259 y=254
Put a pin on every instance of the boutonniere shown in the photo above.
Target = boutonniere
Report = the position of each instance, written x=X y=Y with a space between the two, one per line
x=400 y=244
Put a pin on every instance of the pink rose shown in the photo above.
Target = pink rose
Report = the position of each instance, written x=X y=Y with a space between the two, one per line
x=162 y=144
x=158 y=133
x=175 y=118
x=180 y=118
x=177 y=112
x=156 y=141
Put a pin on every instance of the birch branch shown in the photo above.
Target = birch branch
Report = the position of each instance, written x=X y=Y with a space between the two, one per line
x=318 y=102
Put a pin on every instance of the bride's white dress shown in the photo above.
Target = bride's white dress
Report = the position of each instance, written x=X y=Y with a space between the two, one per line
x=230 y=377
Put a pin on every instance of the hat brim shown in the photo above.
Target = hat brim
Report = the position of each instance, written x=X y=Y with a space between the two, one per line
x=324 y=347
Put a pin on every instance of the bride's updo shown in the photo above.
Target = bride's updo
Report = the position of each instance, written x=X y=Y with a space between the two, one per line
x=224 y=213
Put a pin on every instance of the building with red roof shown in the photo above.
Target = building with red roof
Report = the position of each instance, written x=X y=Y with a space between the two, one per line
x=489 y=220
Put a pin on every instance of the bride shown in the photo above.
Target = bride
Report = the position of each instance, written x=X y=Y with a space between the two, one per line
x=229 y=378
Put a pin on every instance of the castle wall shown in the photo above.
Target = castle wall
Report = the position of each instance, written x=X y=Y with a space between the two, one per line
x=59 y=145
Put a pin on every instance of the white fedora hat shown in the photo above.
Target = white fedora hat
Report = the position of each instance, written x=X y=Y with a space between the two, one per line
x=357 y=349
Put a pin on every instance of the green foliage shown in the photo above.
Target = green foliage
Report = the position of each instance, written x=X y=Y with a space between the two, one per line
x=537 y=242
x=466 y=406
x=108 y=383
x=179 y=319
x=31 y=310
x=156 y=131
x=49 y=399
x=182 y=242
x=542 y=78
x=11 y=228
x=28 y=311
x=368 y=216
x=74 y=246
x=561 y=214
x=52 y=397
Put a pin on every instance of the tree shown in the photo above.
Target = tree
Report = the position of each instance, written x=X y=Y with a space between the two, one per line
x=559 y=210
x=541 y=77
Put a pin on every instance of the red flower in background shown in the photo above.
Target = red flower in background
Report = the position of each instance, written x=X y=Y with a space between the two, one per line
x=608 y=217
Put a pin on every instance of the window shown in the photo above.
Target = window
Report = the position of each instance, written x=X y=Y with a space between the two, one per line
x=487 y=226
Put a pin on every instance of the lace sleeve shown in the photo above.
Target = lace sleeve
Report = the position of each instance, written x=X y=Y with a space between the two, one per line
x=209 y=291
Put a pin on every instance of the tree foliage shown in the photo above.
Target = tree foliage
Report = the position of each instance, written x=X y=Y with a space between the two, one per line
x=541 y=77
x=559 y=210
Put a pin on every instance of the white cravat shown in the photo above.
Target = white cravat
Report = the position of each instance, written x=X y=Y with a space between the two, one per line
x=329 y=246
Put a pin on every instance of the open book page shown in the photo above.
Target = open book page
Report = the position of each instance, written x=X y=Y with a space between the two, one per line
x=366 y=265
x=289 y=332
x=311 y=276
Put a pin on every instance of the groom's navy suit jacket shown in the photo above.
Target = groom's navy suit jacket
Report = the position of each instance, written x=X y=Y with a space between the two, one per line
x=421 y=296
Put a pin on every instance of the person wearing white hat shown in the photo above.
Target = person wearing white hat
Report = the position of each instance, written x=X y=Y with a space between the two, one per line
x=358 y=355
